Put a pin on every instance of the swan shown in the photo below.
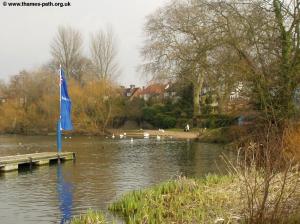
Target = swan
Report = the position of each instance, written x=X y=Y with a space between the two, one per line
x=113 y=136
x=146 y=135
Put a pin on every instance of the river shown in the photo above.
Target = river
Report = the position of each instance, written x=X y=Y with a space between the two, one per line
x=104 y=170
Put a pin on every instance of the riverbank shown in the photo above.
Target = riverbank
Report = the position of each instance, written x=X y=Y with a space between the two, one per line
x=177 y=134
x=219 y=135
x=214 y=199
x=211 y=200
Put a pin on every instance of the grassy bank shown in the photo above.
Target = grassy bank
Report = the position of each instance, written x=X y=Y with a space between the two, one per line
x=239 y=198
x=169 y=133
x=91 y=217
x=215 y=199
x=223 y=135
x=180 y=201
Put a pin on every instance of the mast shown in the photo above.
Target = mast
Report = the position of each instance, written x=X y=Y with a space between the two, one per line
x=60 y=92
x=58 y=128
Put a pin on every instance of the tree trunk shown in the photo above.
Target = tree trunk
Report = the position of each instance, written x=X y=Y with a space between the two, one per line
x=222 y=102
x=196 y=97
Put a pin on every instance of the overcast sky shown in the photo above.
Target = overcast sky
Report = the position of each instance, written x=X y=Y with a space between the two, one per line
x=26 y=32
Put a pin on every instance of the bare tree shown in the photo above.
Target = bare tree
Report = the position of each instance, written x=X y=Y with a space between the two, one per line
x=181 y=38
x=66 y=50
x=104 y=54
x=265 y=35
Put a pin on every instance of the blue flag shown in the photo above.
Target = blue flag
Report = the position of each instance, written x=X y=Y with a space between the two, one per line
x=65 y=104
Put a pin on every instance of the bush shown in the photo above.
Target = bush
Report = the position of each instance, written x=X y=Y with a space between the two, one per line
x=181 y=122
x=168 y=122
x=164 y=121
x=155 y=116
x=216 y=121
x=149 y=114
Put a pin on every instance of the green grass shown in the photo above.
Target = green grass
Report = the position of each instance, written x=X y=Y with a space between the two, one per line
x=213 y=199
x=217 y=135
x=180 y=201
x=91 y=217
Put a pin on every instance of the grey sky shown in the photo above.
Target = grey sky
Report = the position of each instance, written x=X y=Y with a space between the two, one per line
x=26 y=32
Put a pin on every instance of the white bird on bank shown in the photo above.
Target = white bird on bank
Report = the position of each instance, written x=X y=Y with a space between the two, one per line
x=161 y=130
x=146 y=135
x=113 y=136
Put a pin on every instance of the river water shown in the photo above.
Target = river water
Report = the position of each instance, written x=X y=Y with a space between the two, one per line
x=104 y=170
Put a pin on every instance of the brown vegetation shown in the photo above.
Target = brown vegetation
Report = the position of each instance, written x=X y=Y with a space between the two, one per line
x=32 y=104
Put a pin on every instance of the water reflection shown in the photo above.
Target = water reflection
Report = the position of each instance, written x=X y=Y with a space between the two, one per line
x=65 y=195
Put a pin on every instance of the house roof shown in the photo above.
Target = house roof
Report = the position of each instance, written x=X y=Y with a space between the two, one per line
x=154 y=89
x=130 y=91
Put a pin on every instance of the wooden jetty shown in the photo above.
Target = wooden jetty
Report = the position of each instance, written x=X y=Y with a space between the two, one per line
x=10 y=163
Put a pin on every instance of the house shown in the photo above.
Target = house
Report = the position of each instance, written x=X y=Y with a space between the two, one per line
x=130 y=92
x=170 y=91
x=3 y=98
x=156 y=90
x=236 y=94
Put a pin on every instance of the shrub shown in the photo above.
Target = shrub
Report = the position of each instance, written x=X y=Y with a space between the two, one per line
x=154 y=116
x=149 y=113
x=216 y=121
x=168 y=122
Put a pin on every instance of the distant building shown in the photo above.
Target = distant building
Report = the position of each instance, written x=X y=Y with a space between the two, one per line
x=153 y=90
x=131 y=91
x=3 y=98
x=237 y=93
x=158 y=91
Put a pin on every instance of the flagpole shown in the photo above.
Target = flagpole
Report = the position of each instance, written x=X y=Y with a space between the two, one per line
x=59 y=92
x=58 y=128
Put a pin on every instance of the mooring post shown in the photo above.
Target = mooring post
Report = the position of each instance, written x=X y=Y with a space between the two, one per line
x=30 y=163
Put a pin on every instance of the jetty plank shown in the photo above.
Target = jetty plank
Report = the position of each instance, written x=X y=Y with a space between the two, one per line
x=9 y=163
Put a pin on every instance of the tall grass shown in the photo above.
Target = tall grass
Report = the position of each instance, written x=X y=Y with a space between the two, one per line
x=180 y=201
x=91 y=217
x=269 y=184
x=215 y=199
